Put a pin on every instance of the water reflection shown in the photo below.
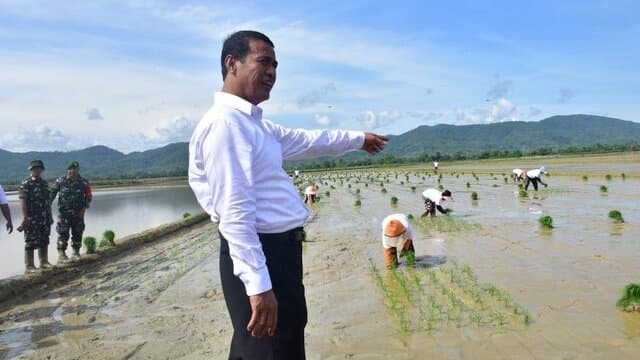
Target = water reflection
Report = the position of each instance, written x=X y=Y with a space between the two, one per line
x=125 y=212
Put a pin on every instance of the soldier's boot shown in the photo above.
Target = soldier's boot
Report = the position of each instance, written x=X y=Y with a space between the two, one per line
x=43 y=256
x=76 y=255
x=62 y=256
x=29 y=267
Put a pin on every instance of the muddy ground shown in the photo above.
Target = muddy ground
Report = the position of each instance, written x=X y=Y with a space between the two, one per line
x=164 y=301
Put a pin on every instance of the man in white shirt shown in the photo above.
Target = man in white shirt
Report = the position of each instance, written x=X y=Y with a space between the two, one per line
x=236 y=174
x=6 y=212
x=533 y=176
x=517 y=174
x=432 y=200
x=397 y=233
x=435 y=165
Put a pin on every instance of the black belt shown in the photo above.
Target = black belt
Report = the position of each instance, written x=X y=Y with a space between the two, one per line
x=293 y=234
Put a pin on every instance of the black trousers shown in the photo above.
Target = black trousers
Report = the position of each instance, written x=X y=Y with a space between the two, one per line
x=284 y=260
x=534 y=181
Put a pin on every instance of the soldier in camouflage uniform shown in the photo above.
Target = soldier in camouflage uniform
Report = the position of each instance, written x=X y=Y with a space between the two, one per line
x=37 y=218
x=74 y=199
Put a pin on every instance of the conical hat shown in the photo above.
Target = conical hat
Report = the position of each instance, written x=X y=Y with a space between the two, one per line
x=394 y=228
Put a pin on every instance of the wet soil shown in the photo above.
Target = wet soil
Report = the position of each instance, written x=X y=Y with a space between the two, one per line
x=164 y=301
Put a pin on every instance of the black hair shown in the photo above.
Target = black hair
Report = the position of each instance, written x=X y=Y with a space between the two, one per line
x=237 y=45
x=446 y=193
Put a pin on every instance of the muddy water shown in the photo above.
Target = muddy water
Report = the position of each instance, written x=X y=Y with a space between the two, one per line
x=164 y=301
x=124 y=211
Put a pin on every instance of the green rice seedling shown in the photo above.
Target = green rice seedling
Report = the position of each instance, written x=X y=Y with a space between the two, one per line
x=358 y=191
x=494 y=185
x=358 y=203
x=440 y=187
x=349 y=186
x=394 y=201
x=476 y=318
x=327 y=194
x=608 y=177
x=630 y=300
x=333 y=187
x=623 y=176
x=413 y=189
x=603 y=189
x=523 y=194
x=366 y=185
x=410 y=217
x=468 y=185
x=384 y=190
x=546 y=222
x=616 y=216
x=186 y=215
x=107 y=239
x=585 y=178
x=90 y=244
x=506 y=180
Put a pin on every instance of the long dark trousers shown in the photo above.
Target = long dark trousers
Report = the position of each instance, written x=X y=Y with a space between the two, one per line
x=284 y=260
x=531 y=180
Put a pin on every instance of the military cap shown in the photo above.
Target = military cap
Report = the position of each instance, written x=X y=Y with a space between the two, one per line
x=72 y=165
x=36 y=163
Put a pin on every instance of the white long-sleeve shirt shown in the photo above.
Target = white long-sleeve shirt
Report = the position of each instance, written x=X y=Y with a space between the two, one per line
x=535 y=173
x=433 y=195
x=398 y=241
x=236 y=174
x=3 y=197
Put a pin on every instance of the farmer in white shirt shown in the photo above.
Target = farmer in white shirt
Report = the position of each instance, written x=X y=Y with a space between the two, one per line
x=6 y=212
x=235 y=171
x=432 y=200
x=310 y=194
x=517 y=174
x=397 y=233
x=533 y=176
x=435 y=165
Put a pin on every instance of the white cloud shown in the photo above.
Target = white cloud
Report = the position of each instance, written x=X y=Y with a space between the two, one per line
x=93 y=114
x=534 y=111
x=40 y=138
x=566 y=95
x=501 y=110
x=176 y=130
x=313 y=97
x=322 y=120
x=499 y=89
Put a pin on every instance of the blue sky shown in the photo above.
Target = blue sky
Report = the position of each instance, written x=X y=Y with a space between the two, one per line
x=140 y=74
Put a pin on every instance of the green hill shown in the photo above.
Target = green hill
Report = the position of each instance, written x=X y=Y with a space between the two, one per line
x=557 y=132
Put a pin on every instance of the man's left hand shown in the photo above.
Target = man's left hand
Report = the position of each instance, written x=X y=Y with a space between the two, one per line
x=374 y=143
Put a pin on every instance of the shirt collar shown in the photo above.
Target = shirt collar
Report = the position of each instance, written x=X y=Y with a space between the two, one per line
x=236 y=102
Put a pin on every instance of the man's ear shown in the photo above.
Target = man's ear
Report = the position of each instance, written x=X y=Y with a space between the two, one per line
x=230 y=64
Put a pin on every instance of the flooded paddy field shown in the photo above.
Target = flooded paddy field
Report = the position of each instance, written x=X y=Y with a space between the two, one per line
x=490 y=283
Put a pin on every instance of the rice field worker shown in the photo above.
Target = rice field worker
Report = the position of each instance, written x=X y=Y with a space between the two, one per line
x=37 y=218
x=432 y=200
x=517 y=174
x=534 y=177
x=397 y=234
x=310 y=194
x=74 y=199
x=236 y=174
x=6 y=212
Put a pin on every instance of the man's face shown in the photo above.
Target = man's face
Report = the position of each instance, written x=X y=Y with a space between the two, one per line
x=257 y=73
x=36 y=171
x=73 y=172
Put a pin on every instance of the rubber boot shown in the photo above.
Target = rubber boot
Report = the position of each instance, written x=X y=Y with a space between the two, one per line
x=29 y=267
x=62 y=256
x=43 y=256
x=76 y=255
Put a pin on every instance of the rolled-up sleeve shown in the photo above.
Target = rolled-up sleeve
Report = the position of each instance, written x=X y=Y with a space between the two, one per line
x=300 y=144
x=228 y=162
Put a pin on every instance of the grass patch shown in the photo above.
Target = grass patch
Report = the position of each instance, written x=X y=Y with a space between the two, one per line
x=444 y=224
x=616 y=216
x=430 y=299
x=630 y=300
x=90 y=244
x=546 y=222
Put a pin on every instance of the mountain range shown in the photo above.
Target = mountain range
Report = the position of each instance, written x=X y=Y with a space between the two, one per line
x=172 y=160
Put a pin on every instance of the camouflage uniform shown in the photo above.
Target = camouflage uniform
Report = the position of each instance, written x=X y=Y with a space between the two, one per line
x=35 y=191
x=74 y=196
